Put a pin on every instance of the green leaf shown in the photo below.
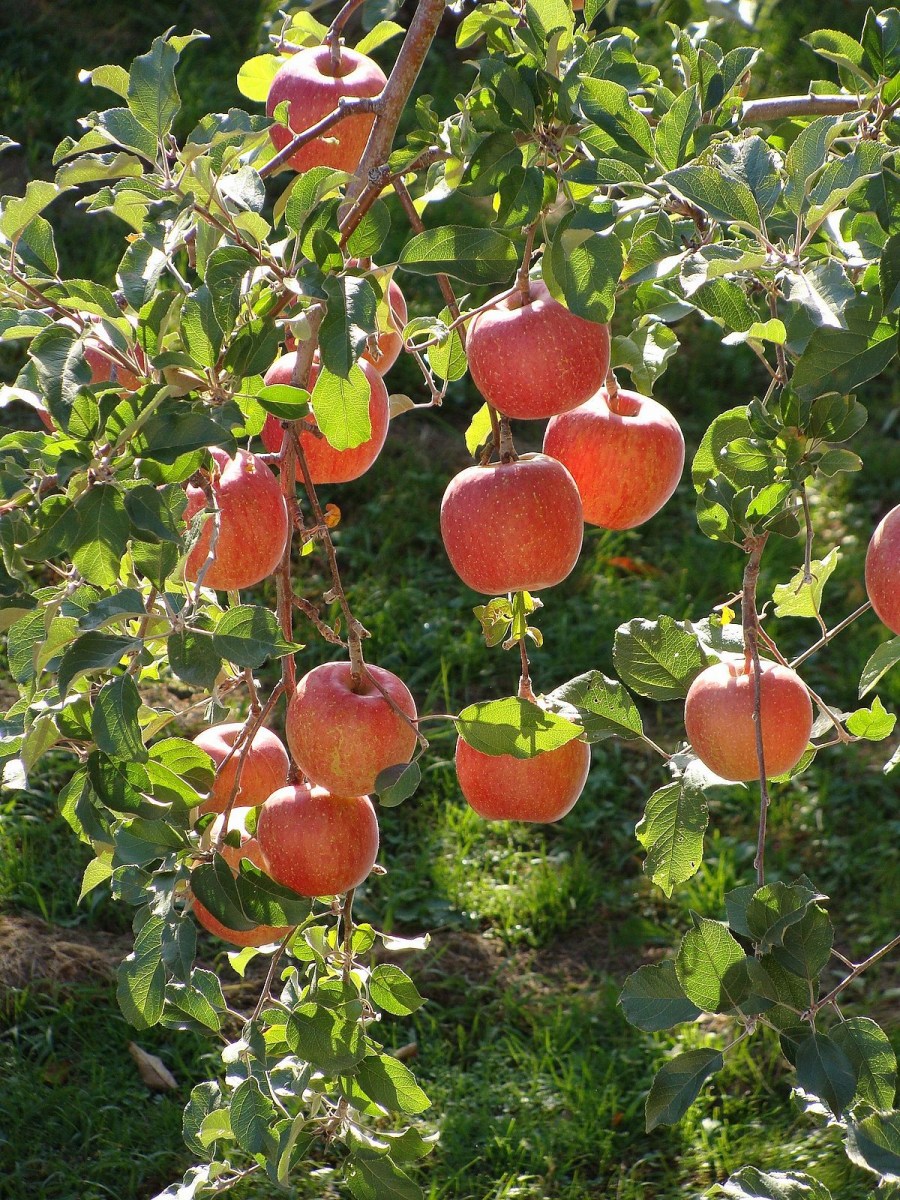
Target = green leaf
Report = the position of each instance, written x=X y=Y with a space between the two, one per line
x=377 y=36
x=645 y=352
x=199 y=1002
x=393 y=990
x=604 y=707
x=872 y=1057
x=889 y=274
x=156 y=512
x=193 y=658
x=839 y=360
x=801 y=599
x=331 y=1041
x=471 y=255
x=249 y=634
x=479 y=430
x=609 y=106
x=214 y=885
x=712 y=967
x=874 y=1144
x=723 y=198
x=226 y=269
x=97 y=871
x=448 y=359
x=806 y=155
x=142 y=978
x=581 y=267
x=839 y=48
x=391 y=1085
x=205 y=1099
x=266 y=902
x=677 y=1085
x=351 y=316
x=880 y=662
x=341 y=406
x=825 y=1071
x=773 y=908
x=671 y=831
x=252 y=1115
x=515 y=727
x=806 y=946
x=751 y=1184
x=92 y=652
x=17 y=212
x=657 y=659
x=396 y=784
x=874 y=724
x=652 y=999
x=255 y=77
x=676 y=127
x=115 y=725
x=371 y=1178
x=152 y=93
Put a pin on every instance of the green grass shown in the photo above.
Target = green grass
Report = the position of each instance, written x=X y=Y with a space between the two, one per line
x=537 y=1082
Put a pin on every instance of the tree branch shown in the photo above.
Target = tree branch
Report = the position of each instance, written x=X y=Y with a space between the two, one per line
x=779 y=108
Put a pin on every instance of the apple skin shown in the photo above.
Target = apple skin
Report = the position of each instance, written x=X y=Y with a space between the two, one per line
x=718 y=717
x=626 y=456
x=883 y=570
x=512 y=527
x=342 y=740
x=102 y=367
x=536 y=360
x=327 y=465
x=253 y=523
x=502 y=788
x=313 y=92
x=265 y=768
x=262 y=935
x=316 y=843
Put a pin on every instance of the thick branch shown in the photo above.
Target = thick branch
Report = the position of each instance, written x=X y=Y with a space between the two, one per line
x=392 y=100
x=779 y=108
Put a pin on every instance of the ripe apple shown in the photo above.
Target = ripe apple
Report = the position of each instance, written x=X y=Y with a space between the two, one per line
x=308 y=83
x=503 y=788
x=265 y=767
x=253 y=523
x=718 y=717
x=262 y=935
x=514 y=526
x=343 y=739
x=317 y=843
x=327 y=465
x=97 y=356
x=883 y=570
x=537 y=359
x=625 y=455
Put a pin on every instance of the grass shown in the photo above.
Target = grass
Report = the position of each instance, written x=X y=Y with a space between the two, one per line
x=537 y=1082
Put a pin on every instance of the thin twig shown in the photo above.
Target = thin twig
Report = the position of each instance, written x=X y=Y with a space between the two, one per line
x=347 y=106
x=826 y=637
x=750 y=620
x=854 y=974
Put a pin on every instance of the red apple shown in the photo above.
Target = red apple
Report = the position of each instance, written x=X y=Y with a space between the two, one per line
x=883 y=570
x=316 y=843
x=515 y=526
x=625 y=455
x=537 y=359
x=313 y=91
x=327 y=465
x=343 y=739
x=253 y=523
x=502 y=788
x=718 y=717
x=262 y=935
x=265 y=767
x=97 y=356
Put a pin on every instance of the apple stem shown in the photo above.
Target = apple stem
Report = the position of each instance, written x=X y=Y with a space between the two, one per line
x=750 y=621
x=347 y=920
x=612 y=392
x=506 y=446
x=526 y=692
x=523 y=280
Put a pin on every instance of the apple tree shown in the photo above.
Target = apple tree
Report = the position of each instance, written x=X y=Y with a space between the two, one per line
x=179 y=464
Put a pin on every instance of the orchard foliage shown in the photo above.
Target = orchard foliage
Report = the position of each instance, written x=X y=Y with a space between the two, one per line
x=638 y=196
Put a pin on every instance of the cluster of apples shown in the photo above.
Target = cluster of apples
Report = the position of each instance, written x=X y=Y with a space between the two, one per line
x=611 y=457
x=318 y=837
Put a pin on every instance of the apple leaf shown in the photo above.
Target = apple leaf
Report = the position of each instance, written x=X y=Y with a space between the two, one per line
x=874 y=1144
x=141 y=982
x=824 y=1070
x=341 y=406
x=677 y=1085
x=603 y=706
x=657 y=659
x=249 y=634
x=874 y=724
x=712 y=967
x=393 y=990
x=471 y=255
x=390 y=1084
x=671 y=831
x=653 y=999
x=880 y=662
x=396 y=784
x=873 y=1059
x=515 y=727
x=751 y=1184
